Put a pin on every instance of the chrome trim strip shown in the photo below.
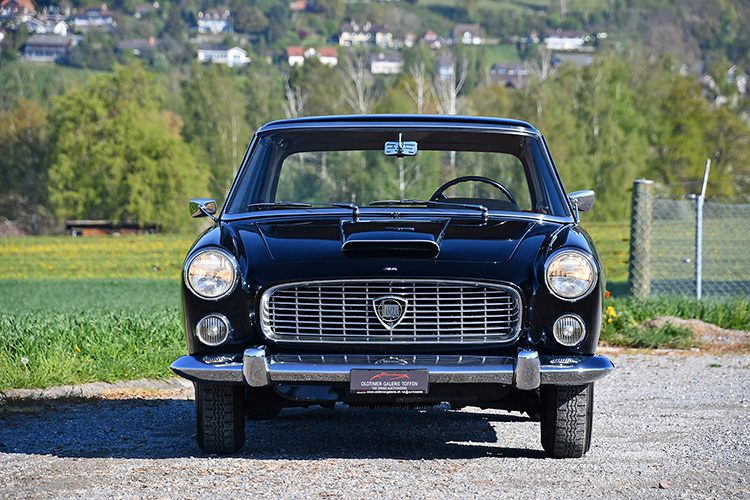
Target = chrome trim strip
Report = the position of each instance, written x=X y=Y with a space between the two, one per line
x=577 y=370
x=195 y=369
x=261 y=370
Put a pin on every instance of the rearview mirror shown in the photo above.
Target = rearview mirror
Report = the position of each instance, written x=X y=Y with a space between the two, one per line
x=584 y=200
x=202 y=207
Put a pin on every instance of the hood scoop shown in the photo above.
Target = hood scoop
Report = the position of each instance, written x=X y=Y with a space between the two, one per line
x=417 y=239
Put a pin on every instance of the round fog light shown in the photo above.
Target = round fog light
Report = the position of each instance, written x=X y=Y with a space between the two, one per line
x=213 y=330
x=569 y=330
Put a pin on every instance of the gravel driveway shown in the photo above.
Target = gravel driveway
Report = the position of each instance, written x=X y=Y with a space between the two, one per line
x=666 y=425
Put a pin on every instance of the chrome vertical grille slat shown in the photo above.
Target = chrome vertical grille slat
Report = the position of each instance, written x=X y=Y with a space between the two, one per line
x=437 y=312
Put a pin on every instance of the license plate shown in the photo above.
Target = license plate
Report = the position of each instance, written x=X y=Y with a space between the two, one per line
x=389 y=381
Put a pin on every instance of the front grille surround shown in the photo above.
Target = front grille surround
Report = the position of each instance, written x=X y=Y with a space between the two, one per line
x=438 y=312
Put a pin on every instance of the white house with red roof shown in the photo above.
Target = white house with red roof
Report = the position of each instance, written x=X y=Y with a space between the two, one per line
x=297 y=55
x=18 y=10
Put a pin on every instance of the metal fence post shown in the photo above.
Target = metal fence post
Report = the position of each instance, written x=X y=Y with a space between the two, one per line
x=639 y=277
x=699 y=200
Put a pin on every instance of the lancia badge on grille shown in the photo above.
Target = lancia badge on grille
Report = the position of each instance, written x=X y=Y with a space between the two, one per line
x=390 y=310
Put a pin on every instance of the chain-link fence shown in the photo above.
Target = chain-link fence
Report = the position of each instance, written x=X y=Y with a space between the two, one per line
x=675 y=250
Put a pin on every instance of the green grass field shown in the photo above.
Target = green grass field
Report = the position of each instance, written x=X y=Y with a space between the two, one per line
x=76 y=310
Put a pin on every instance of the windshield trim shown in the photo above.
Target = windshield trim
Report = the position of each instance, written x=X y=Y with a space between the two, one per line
x=394 y=212
x=546 y=171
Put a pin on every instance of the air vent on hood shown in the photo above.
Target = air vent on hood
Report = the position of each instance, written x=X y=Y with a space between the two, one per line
x=418 y=239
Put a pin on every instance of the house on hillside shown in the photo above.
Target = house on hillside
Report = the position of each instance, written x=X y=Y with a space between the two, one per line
x=353 y=34
x=467 y=34
x=47 y=48
x=20 y=11
x=564 y=40
x=580 y=60
x=431 y=39
x=47 y=26
x=510 y=75
x=386 y=63
x=94 y=18
x=55 y=13
x=446 y=66
x=301 y=5
x=215 y=21
x=138 y=46
x=328 y=55
x=297 y=55
x=234 y=56
x=145 y=9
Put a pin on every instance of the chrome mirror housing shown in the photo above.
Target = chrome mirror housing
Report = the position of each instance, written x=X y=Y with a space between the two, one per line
x=202 y=207
x=583 y=200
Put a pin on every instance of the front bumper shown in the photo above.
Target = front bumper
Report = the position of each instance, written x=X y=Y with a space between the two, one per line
x=527 y=371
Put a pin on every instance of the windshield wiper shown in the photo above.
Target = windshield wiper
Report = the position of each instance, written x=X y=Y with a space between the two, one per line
x=280 y=204
x=295 y=204
x=431 y=204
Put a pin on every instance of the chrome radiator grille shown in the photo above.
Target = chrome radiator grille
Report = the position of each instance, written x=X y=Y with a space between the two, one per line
x=432 y=312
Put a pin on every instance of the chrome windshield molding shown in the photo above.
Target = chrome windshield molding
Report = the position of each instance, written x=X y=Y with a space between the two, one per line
x=403 y=213
x=440 y=312
x=302 y=125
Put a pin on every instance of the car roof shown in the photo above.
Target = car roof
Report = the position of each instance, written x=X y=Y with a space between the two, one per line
x=410 y=121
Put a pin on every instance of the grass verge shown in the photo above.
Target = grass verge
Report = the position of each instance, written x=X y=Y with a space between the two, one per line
x=41 y=349
x=623 y=318
x=60 y=332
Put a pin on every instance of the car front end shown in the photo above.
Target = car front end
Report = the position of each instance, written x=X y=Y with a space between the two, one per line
x=331 y=276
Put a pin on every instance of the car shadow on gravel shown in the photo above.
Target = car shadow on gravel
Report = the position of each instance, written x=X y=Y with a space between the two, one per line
x=165 y=428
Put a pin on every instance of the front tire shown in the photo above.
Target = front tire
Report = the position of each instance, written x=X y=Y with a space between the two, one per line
x=220 y=417
x=567 y=417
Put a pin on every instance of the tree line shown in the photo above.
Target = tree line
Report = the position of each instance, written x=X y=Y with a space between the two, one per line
x=132 y=144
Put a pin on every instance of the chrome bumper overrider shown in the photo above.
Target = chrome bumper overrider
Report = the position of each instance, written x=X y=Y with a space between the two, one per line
x=527 y=371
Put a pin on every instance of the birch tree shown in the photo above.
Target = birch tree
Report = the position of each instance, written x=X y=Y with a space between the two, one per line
x=360 y=91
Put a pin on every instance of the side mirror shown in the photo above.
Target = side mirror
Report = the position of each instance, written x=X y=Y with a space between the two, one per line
x=202 y=207
x=582 y=200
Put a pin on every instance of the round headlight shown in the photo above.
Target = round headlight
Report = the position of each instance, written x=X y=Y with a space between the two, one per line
x=212 y=273
x=570 y=274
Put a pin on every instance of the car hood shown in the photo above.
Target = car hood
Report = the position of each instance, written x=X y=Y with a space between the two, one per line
x=442 y=239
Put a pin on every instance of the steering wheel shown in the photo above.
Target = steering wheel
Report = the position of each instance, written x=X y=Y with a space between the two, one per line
x=440 y=193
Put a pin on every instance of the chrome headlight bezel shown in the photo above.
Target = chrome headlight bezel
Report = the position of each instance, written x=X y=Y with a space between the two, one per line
x=229 y=264
x=214 y=342
x=576 y=322
x=555 y=259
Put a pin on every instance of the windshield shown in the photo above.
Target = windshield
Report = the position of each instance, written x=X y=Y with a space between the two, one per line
x=502 y=172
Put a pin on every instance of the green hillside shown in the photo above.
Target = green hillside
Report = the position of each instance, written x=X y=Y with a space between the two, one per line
x=655 y=88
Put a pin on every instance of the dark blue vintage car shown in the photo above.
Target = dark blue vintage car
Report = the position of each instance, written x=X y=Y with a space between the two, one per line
x=394 y=261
